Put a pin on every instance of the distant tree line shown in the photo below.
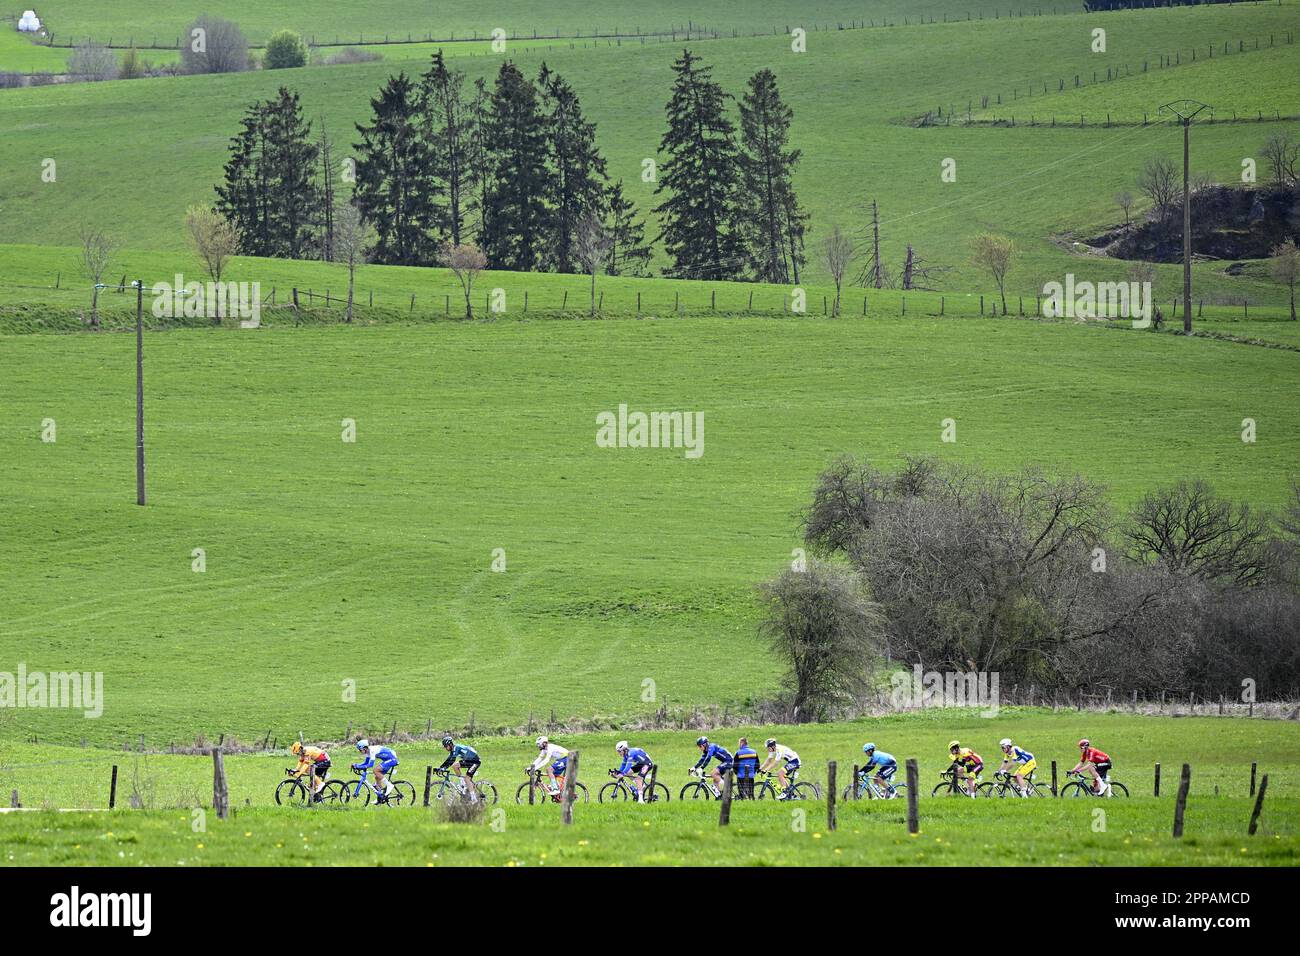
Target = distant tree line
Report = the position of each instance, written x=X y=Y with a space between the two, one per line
x=1034 y=577
x=1092 y=6
x=515 y=170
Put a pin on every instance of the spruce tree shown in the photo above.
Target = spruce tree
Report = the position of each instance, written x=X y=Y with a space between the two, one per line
x=773 y=221
x=700 y=177
x=515 y=218
x=449 y=129
x=629 y=254
x=576 y=176
x=395 y=189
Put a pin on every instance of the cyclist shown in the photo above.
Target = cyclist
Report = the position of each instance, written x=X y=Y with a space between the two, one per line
x=555 y=759
x=885 y=764
x=383 y=759
x=968 y=764
x=1021 y=759
x=789 y=764
x=636 y=762
x=462 y=760
x=717 y=752
x=1095 y=764
x=311 y=759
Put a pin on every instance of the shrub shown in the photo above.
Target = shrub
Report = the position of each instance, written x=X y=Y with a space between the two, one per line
x=91 y=63
x=349 y=55
x=132 y=66
x=214 y=45
x=285 y=50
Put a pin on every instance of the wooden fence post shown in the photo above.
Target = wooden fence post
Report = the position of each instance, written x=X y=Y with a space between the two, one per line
x=13 y=802
x=112 y=789
x=853 y=784
x=570 y=780
x=913 y=784
x=1054 y=791
x=220 y=793
x=1157 y=791
x=649 y=795
x=1254 y=814
x=724 y=815
x=1181 y=804
x=1253 y=766
x=532 y=786
x=830 y=795
x=428 y=783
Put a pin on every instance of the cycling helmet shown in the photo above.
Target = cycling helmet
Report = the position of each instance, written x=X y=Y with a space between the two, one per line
x=1085 y=742
x=542 y=742
x=868 y=748
x=295 y=747
x=771 y=742
x=1004 y=743
x=363 y=744
x=954 y=745
x=621 y=746
x=447 y=741
x=702 y=742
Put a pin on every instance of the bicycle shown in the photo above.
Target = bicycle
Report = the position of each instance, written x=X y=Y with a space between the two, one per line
x=621 y=789
x=701 y=789
x=794 y=790
x=448 y=781
x=294 y=792
x=361 y=789
x=872 y=790
x=1005 y=787
x=952 y=784
x=1083 y=787
x=539 y=780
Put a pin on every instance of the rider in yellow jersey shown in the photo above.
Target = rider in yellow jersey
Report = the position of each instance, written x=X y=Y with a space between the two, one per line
x=968 y=765
x=312 y=761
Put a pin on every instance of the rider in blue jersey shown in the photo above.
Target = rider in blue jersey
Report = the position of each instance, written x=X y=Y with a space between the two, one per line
x=383 y=759
x=636 y=763
x=717 y=752
x=885 y=765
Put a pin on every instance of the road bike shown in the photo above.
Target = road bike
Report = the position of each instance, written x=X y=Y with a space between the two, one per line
x=765 y=789
x=293 y=791
x=1082 y=787
x=361 y=790
x=449 y=784
x=953 y=784
x=870 y=788
x=620 y=788
x=543 y=793
x=1005 y=786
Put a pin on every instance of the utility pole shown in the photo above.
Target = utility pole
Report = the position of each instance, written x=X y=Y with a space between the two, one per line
x=139 y=392
x=1185 y=110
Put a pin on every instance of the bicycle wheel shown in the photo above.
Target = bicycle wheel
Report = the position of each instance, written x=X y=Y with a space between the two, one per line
x=1073 y=789
x=764 y=791
x=804 y=791
x=580 y=793
x=988 y=790
x=403 y=794
x=1118 y=789
x=695 y=791
x=612 y=793
x=659 y=793
x=351 y=796
x=290 y=793
x=487 y=791
x=333 y=793
x=900 y=790
x=944 y=788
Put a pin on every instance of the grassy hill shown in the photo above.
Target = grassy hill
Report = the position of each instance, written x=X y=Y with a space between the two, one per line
x=854 y=93
x=370 y=562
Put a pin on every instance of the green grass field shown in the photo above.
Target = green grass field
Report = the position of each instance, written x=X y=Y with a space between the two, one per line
x=1133 y=832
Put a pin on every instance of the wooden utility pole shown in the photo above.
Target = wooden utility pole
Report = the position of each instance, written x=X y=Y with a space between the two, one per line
x=139 y=392
x=1185 y=110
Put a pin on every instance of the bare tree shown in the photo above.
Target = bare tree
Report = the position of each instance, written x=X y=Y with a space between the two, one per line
x=351 y=234
x=214 y=240
x=97 y=250
x=837 y=252
x=828 y=633
x=466 y=261
x=1282 y=153
x=1284 y=267
x=1191 y=530
x=994 y=253
x=92 y=63
x=1159 y=181
x=591 y=245
x=214 y=45
x=1124 y=199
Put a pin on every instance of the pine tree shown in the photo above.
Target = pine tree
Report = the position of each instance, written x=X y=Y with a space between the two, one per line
x=449 y=129
x=774 y=222
x=325 y=150
x=577 y=177
x=700 y=176
x=270 y=192
x=629 y=255
x=515 y=217
x=480 y=176
x=395 y=189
